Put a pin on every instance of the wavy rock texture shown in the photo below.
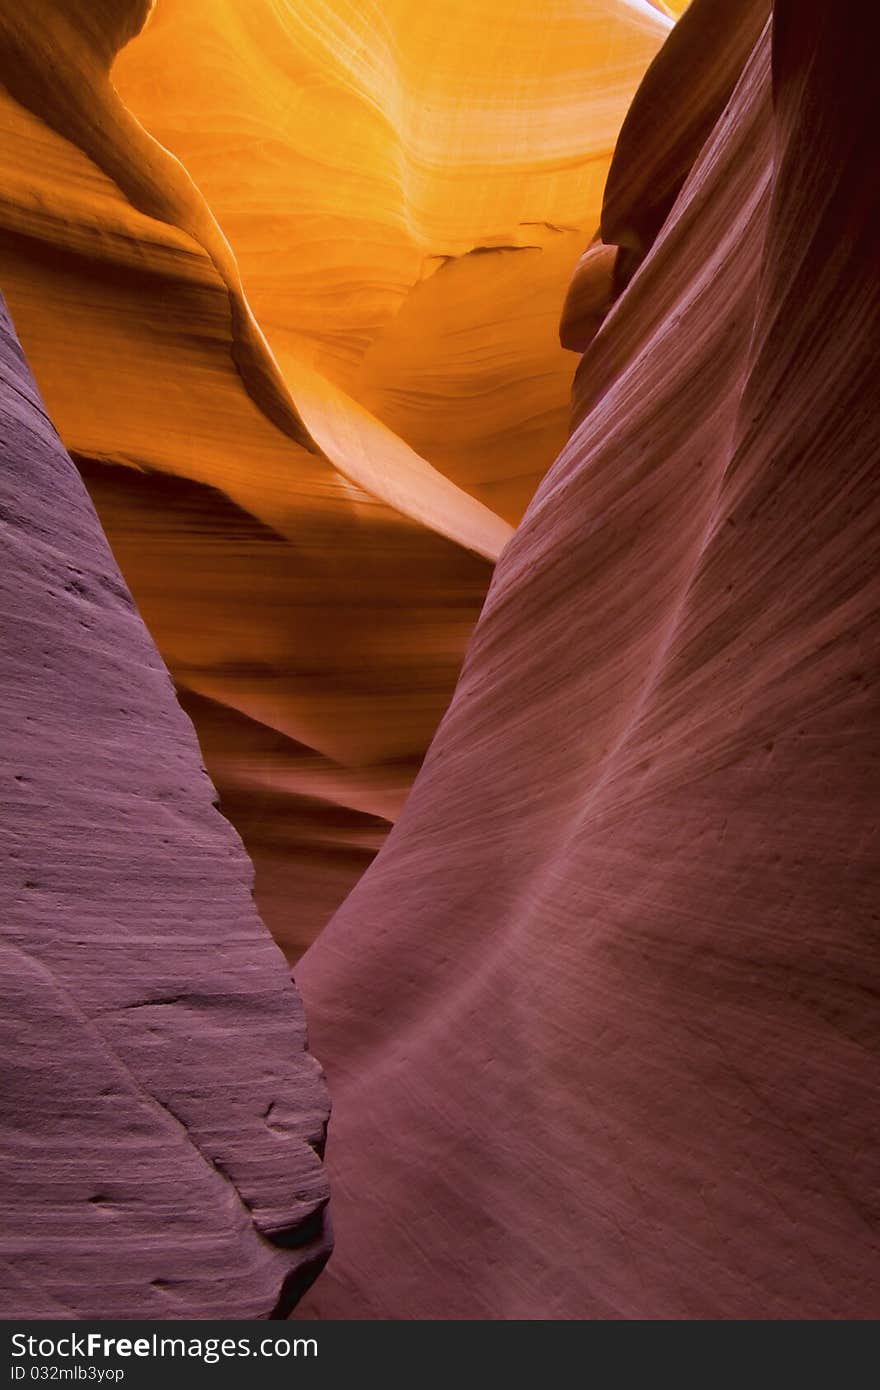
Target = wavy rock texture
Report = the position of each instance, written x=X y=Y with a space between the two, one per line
x=600 y=1020
x=310 y=394
x=380 y=144
x=161 y=1117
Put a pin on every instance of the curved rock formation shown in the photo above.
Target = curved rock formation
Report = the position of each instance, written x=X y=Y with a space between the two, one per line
x=310 y=391
x=677 y=105
x=600 y=1020
x=162 y=1120
x=375 y=143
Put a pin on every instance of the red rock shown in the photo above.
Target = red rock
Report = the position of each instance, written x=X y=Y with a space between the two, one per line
x=681 y=97
x=600 y=1020
x=161 y=1118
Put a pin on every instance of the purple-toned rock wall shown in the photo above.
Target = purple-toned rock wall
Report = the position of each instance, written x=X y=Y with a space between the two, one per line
x=600 y=1021
x=161 y=1121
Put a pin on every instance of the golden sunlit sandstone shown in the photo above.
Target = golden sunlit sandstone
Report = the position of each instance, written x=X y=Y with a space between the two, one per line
x=289 y=278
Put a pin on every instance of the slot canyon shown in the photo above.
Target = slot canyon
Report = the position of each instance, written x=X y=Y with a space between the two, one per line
x=439 y=499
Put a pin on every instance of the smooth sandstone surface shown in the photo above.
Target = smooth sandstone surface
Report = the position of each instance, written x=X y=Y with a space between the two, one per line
x=289 y=278
x=406 y=187
x=161 y=1121
x=600 y=1019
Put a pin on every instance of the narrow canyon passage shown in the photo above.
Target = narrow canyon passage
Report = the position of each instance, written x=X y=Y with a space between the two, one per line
x=438 y=508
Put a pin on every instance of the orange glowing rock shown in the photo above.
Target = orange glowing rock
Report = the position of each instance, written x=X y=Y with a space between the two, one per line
x=289 y=279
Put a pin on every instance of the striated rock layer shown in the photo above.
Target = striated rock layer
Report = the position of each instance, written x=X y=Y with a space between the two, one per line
x=161 y=1119
x=310 y=391
x=600 y=1020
